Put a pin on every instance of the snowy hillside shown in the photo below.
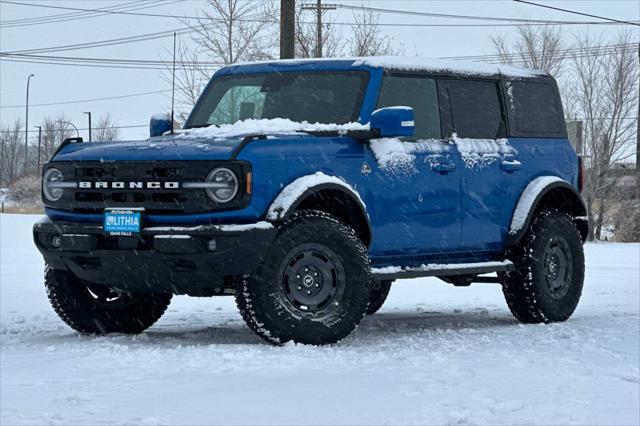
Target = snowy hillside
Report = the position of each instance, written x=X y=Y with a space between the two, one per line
x=435 y=354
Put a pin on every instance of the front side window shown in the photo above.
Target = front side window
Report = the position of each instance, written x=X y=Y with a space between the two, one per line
x=418 y=93
x=475 y=107
x=322 y=97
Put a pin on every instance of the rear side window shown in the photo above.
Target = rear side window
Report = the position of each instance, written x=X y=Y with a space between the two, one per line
x=534 y=109
x=418 y=93
x=475 y=107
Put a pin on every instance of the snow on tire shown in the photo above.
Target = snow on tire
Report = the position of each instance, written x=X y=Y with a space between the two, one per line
x=94 y=309
x=313 y=286
x=547 y=283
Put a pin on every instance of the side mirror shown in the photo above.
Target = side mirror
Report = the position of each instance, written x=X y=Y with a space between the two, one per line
x=159 y=124
x=393 y=122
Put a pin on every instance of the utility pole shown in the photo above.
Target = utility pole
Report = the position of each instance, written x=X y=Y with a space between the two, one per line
x=638 y=141
x=26 y=127
x=287 y=28
x=39 y=145
x=89 y=114
x=319 y=10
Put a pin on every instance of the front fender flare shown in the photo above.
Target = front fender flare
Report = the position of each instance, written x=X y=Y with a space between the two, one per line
x=294 y=193
x=538 y=191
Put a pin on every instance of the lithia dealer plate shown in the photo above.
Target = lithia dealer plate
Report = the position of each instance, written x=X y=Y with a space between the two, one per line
x=122 y=221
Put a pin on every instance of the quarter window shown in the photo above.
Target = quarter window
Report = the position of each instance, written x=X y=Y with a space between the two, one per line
x=534 y=108
x=475 y=107
x=418 y=93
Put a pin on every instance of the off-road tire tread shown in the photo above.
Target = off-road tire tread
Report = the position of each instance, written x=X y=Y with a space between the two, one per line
x=245 y=299
x=379 y=296
x=520 y=291
x=142 y=313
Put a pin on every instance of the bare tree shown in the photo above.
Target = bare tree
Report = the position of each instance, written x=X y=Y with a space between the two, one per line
x=105 y=129
x=54 y=131
x=333 y=44
x=367 y=38
x=11 y=151
x=535 y=46
x=226 y=32
x=605 y=93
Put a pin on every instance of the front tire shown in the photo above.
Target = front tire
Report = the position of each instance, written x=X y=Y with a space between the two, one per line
x=313 y=285
x=93 y=309
x=547 y=283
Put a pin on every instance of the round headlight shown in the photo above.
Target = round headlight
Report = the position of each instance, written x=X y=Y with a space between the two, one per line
x=226 y=185
x=50 y=190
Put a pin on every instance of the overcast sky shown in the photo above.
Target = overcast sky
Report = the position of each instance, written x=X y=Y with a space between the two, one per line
x=57 y=83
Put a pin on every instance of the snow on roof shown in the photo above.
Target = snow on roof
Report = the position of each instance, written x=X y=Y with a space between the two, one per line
x=415 y=63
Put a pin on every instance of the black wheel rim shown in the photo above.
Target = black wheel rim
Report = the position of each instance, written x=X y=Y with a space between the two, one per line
x=313 y=277
x=558 y=267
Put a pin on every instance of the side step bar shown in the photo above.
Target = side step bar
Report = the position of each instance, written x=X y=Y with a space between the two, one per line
x=441 y=270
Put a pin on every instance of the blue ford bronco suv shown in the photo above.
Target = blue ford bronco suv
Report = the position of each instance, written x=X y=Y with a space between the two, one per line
x=306 y=187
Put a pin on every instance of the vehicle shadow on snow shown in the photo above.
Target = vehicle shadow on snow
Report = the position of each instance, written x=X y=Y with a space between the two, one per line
x=195 y=331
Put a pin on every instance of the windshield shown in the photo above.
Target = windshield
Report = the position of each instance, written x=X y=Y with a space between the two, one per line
x=322 y=97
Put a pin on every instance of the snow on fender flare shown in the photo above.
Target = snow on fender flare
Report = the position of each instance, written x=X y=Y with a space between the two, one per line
x=294 y=193
x=529 y=200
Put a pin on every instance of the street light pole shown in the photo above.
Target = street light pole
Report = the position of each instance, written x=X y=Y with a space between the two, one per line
x=70 y=123
x=89 y=114
x=26 y=126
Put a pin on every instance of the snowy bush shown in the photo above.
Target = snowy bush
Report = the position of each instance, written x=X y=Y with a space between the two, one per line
x=25 y=191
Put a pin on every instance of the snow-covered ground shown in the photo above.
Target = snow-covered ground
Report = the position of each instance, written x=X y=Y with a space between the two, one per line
x=435 y=354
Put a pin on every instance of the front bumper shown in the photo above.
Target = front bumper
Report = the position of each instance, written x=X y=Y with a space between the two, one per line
x=198 y=261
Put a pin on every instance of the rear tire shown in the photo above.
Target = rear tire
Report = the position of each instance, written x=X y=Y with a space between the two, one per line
x=93 y=309
x=378 y=297
x=313 y=285
x=547 y=283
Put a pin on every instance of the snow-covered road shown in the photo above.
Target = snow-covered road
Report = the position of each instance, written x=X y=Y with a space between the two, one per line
x=435 y=354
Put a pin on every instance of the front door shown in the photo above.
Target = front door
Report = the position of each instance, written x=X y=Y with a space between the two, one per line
x=417 y=180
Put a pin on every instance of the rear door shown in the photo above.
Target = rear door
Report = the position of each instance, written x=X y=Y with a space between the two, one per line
x=491 y=169
x=417 y=179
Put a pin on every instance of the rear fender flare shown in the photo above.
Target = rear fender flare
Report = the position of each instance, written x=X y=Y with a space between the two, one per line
x=546 y=191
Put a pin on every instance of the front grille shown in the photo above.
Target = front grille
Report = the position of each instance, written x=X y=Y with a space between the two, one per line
x=154 y=201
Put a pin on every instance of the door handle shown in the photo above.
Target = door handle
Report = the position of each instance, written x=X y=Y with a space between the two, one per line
x=510 y=165
x=443 y=168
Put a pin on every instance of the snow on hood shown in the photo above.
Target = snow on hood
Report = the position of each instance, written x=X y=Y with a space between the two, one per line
x=162 y=148
x=273 y=126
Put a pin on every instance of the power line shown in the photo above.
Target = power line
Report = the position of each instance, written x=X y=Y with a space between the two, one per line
x=104 y=11
x=576 y=12
x=107 y=42
x=161 y=65
x=512 y=21
x=83 y=13
x=444 y=15
x=79 y=101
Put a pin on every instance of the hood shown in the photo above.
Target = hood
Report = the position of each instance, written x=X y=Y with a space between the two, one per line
x=209 y=143
x=161 y=148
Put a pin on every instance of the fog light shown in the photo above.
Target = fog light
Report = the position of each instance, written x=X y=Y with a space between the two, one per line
x=211 y=244
x=56 y=241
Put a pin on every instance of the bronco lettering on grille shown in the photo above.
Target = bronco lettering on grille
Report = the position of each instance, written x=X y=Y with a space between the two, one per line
x=128 y=185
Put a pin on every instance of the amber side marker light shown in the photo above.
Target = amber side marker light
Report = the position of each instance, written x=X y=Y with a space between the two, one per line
x=248 y=183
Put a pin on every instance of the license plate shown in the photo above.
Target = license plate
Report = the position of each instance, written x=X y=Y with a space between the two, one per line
x=122 y=222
